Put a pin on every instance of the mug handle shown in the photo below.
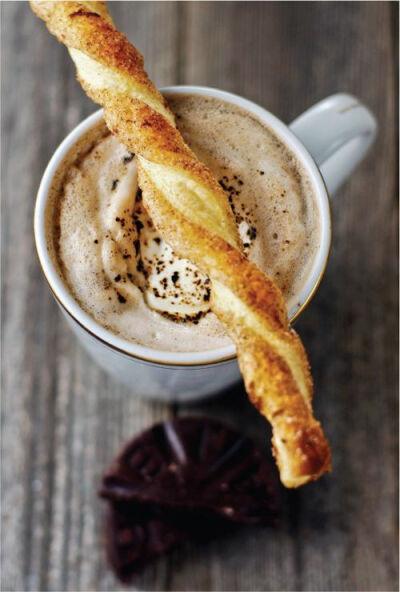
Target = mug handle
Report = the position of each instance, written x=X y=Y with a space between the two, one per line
x=338 y=132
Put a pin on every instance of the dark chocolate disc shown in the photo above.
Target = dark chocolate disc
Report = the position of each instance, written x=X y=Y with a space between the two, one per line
x=196 y=463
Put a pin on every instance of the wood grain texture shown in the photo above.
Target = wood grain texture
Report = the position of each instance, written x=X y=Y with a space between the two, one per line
x=63 y=419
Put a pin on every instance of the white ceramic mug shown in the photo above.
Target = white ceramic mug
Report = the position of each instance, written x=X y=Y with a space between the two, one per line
x=329 y=139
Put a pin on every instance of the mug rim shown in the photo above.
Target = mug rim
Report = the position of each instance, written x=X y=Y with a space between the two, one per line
x=151 y=355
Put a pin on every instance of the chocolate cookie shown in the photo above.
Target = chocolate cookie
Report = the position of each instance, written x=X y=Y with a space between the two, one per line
x=196 y=464
x=188 y=478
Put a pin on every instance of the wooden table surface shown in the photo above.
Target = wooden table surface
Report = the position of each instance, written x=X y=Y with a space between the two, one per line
x=63 y=419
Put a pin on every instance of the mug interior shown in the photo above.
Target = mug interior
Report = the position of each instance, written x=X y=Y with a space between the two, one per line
x=71 y=306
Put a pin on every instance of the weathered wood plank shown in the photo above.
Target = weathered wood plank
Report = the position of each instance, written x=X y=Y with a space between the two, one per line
x=63 y=419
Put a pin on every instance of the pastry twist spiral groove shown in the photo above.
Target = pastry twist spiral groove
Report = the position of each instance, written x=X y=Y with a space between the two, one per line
x=192 y=213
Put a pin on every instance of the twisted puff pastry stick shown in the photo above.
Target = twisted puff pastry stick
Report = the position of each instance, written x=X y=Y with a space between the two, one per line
x=192 y=213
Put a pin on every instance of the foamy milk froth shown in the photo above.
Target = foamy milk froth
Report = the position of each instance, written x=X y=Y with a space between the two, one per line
x=123 y=273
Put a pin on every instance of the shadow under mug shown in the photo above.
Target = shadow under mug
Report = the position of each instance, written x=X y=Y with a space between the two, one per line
x=329 y=140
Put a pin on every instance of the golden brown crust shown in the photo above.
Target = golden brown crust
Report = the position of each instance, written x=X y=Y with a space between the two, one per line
x=191 y=211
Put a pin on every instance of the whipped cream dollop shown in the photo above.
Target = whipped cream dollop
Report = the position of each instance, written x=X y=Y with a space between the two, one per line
x=171 y=285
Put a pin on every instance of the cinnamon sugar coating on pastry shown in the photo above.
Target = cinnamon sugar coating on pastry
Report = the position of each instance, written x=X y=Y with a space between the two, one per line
x=192 y=213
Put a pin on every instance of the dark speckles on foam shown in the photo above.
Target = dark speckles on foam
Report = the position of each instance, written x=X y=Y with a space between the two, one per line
x=139 y=225
x=207 y=295
x=128 y=158
x=232 y=186
x=121 y=298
